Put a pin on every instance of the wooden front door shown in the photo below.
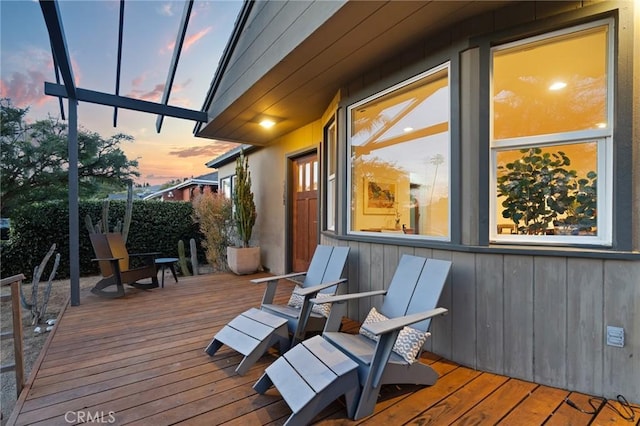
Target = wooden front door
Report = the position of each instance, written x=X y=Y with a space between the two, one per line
x=305 y=211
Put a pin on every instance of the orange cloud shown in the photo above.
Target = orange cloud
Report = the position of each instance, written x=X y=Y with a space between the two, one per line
x=189 y=41
x=24 y=89
x=25 y=84
x=215 y=149
x=139 y=80
x=155 y=94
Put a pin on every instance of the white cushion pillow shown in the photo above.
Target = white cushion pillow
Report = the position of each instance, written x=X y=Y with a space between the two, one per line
x=296 y=300
x=408 y=343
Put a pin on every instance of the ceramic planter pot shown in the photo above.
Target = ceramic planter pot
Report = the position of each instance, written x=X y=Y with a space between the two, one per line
x=243 y=260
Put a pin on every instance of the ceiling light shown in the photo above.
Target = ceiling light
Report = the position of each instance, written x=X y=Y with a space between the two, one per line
x=558 y=85
x=601 y=125
x=408 y=129
x=267 y=123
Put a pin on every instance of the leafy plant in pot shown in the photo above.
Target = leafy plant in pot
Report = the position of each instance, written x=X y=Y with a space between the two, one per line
x=540 y=190
x=243 y=259
x=581 y=215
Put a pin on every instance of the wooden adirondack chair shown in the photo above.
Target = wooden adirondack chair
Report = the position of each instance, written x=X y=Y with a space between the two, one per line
x=319 y=370
x=254 y=331
x=113 y=259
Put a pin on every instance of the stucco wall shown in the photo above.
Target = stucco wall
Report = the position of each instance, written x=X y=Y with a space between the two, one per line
x=268 y=168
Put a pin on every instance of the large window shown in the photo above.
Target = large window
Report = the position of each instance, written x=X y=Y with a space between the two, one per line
x=551 y=138
x=400 y=159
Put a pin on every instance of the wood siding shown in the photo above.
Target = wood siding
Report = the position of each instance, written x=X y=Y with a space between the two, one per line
x=537 y=318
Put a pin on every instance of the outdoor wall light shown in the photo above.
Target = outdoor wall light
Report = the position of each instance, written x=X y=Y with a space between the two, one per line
x=267 y=123
x=558 y=85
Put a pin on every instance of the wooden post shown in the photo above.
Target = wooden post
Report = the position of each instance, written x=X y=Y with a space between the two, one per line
x=18 y=365
x=17 y=334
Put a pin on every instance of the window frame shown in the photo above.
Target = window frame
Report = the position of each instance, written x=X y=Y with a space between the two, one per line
x=447 y=65
x=330 y=188
x=603 y=138
x=223 y=182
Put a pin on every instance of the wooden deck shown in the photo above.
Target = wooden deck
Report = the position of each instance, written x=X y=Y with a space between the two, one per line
x=140 y=360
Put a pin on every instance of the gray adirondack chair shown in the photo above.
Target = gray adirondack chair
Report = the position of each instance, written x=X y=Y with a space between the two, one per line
x=114 y=261
x=254 y=331
x=313 y=374
x=322 y=278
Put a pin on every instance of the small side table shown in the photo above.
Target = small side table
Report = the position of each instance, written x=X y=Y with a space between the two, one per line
x=167 y=262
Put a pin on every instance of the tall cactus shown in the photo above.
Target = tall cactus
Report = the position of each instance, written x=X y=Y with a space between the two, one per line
x=245 y=209
x=128 y=212
x=194 y=256
x=183 y=259
x=103 y=224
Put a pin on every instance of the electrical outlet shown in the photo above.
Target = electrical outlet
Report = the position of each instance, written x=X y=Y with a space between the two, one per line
x=615 y=336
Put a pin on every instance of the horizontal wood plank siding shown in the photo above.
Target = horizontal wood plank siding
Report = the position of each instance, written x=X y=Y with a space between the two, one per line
x=537 y=318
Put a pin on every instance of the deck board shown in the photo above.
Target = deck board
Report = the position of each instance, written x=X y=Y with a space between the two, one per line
x=141 y=358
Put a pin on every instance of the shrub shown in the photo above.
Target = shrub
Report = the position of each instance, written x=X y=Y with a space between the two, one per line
x=214 y=215
x=155 y=227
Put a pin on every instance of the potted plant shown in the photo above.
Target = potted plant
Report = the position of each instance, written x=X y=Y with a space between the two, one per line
x=243 y=259
x=538 y=188
x=581 y=217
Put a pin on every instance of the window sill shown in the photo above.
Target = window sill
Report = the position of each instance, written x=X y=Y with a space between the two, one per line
x=494 y=248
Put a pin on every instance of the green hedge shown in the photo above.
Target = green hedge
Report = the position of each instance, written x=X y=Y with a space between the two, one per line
x=155 y=227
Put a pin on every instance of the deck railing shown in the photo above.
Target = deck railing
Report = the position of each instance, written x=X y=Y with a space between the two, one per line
x=16 y=331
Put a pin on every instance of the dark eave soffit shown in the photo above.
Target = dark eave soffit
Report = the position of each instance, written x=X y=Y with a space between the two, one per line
x=359 y=38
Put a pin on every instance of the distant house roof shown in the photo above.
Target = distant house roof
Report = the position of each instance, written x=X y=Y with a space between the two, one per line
x=207 y=179
x=230 y=156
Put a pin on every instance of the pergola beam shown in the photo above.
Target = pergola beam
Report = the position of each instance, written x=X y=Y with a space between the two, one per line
x=107 y=99
x=51 y=15
x=119 y=60
x=177 y=49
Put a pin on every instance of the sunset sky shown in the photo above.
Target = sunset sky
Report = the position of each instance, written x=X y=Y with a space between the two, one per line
x=150 y=31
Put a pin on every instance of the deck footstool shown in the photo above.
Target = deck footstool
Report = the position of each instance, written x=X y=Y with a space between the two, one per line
x=251 y=333
x=311 y=376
